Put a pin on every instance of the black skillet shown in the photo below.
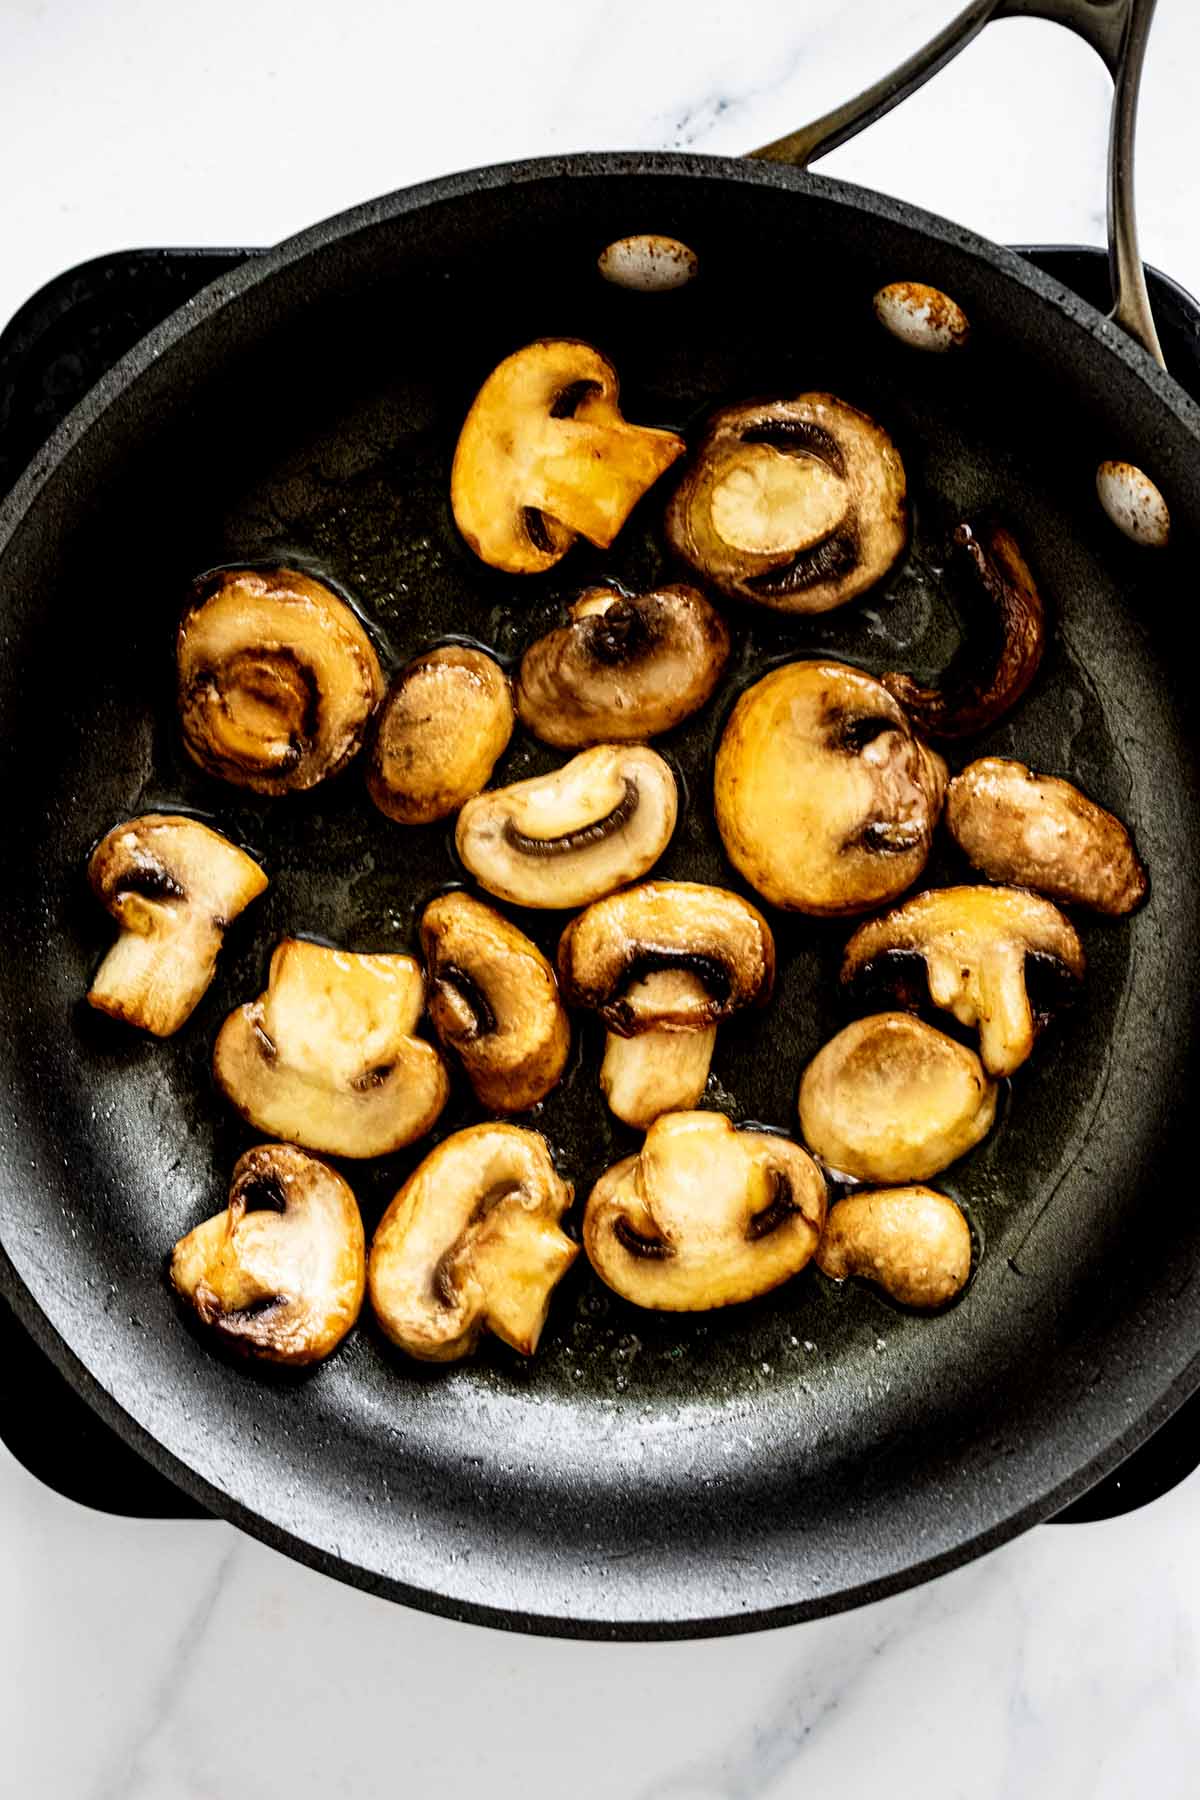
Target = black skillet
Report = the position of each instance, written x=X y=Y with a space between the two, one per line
x=642 y=1476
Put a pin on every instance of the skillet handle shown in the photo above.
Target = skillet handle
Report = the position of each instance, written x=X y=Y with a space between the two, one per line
x=1117 y=30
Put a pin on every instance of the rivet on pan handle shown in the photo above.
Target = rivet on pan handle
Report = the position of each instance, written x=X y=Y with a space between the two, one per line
x=1117 y=30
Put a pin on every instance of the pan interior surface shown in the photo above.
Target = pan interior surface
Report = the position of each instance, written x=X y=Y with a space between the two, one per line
x=642 y=1475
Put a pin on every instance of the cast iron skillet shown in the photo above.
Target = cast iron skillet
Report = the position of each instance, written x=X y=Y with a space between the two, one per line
x=642 y=1476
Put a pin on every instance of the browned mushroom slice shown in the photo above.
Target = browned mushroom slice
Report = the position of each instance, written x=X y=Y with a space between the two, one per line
x=704 y=1216
x=172 y=885
x=1003 y=646
x=280 y=1273
x=627 y=667
x=797 y=504
x=472 y=1242
x=976 y=945
x=564 y=839
x=662 y=964
x=277 y=679
x=327 y=1056
x=890 y=1099
x=912 y=1242
x=825 y=800
x=444 y=725
x=1039 y=832
x=494 y=1001
x=545 y=456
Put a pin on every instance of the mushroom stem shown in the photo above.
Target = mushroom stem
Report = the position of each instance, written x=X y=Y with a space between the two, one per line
x=654 y=1073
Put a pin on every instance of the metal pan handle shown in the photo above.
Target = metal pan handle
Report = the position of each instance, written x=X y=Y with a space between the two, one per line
x=1117 y=30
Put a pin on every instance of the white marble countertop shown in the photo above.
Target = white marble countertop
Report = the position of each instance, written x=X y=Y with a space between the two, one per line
x=182 y=1661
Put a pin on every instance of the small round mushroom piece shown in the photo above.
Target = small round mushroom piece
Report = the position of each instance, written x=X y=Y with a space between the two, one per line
x=280 y=1274
x=704 y=1216
x=472 y=1242
x=173 y=885
x=327 y=1056
x=545 y=456
x=825 y=799
x=978 y=689
x=627 y=667
x=1040 y=832
x=912 y=1242
x=662 y=964
x=889 y=1099
x=796 y=504
x=567 y=838
x=494 y=1001
x=442 y=729
x=277 y=679
x=971 y=949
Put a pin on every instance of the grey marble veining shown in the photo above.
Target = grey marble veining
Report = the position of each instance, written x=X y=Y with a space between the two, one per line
x=170 y=1661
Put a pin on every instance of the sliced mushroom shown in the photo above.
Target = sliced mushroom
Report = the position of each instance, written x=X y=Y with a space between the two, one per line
x=704 y=1215
x=566 y=838
x=173 y=885
x=444 y=725
x=972 y=949
x=472 y=1242
x=890 y=1099
x=627 y=667
x=912 y=1242
x=1002 y=650
x=662 y=964
x=545 y=456
x=327 y=1056
x=280 y=1273
x=494 y=1001
x=1039 y=832
x=797 y=504
x=825 y=800
x=277 y=679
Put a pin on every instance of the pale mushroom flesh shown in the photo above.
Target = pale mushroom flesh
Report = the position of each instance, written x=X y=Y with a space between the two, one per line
x=705 y=1215
x=328 y=1057
x=443 y=726
x=565 y=839
x=472 y=1242
x=890 y=1099
x=628 y=667
x=912 y=1242
x=825 y=798
x=975 y=952
x=277 y=679
x=1040 y=832
x=173 y=885
x=494 y=1002
x=280 y=1273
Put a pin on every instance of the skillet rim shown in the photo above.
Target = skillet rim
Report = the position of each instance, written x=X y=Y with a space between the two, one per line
x=229 y=288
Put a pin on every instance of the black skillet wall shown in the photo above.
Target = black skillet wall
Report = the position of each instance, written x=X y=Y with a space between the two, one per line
x=792 y=1450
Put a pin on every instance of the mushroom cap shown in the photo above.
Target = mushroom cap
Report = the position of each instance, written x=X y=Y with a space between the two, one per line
x=704 y=1215
x=889 y=1099
x=173 y=885
x=493 y=999
x=444 y=725
x=566 y=838
x=717 y=941
x=472 y=1242
x=277 y=679
x=626 y=668
x=545 y=455
x=825 y=799
x=280 y=1273
x=1040 y=832
x=974 y=942
x=912 y=1242
x=327 y=1056
x=797 y=504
